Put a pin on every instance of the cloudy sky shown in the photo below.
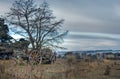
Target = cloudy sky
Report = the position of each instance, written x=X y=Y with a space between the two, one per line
x=92 y=24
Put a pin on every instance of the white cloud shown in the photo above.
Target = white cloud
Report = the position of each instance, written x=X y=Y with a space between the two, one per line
x=106 y=43
x=89 y=44
x=16 y=36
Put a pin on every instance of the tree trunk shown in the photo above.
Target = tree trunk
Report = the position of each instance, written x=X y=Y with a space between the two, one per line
x=41 y=60
x=40 y=54
x=31 y=40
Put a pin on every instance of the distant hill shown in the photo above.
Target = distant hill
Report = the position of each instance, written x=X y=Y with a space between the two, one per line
x=90 y=51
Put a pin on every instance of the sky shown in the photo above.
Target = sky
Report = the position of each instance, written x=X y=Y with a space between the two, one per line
x=92 y=24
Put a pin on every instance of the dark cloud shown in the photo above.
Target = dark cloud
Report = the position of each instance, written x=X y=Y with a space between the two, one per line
x=88 y=35
x=112 y=28
x=91 y=44
x=96 y=23
x=88 y=15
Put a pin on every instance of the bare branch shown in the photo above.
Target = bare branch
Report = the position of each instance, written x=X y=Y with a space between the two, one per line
x=36 y=23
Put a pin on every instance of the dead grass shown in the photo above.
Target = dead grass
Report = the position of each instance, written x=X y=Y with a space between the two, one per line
x=61 y=69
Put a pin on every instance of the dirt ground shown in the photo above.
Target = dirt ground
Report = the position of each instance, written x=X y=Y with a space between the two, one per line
x=61 y=69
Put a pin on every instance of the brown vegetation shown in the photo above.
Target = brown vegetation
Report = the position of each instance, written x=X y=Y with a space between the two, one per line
x=69 y=68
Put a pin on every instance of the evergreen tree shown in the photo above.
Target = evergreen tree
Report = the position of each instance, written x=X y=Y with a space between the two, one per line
x=4 y=36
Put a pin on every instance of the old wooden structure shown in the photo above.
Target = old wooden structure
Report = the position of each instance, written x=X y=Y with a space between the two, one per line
x=36 y=56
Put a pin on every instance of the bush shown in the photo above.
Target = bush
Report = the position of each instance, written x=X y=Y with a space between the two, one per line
x=71 y=59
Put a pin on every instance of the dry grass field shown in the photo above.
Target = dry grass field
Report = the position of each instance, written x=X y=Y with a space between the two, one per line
x=61 y=69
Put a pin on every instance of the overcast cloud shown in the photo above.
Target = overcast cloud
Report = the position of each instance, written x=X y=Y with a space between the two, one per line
x=93 y=24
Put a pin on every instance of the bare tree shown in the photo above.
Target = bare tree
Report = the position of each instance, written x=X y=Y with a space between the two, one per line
x=37 y=24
